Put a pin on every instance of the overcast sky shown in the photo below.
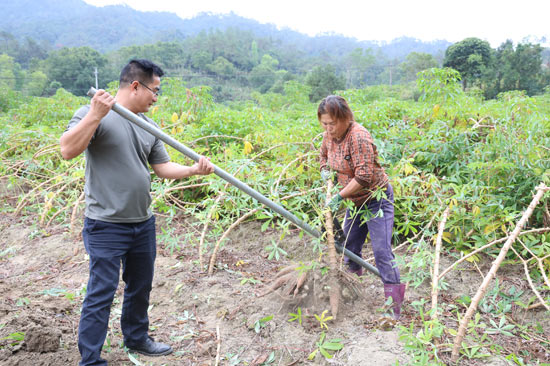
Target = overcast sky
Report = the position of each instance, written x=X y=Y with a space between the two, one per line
x=379 y=20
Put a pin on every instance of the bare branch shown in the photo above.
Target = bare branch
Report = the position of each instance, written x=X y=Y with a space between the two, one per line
x=435 y=277
x=541 y=189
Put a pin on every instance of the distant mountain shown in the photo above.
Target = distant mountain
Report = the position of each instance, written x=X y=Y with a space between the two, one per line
x=74 y=23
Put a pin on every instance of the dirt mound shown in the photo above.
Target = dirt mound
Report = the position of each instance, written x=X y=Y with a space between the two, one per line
x=39 y=339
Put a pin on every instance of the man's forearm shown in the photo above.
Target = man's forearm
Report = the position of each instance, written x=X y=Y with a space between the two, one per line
x=352 y=188
x=171 y=170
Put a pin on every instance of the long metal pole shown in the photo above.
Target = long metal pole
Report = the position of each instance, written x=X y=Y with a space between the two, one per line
x=135 y=119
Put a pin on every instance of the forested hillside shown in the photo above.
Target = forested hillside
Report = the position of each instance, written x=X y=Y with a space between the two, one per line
x=73 y=23
x=47 y=45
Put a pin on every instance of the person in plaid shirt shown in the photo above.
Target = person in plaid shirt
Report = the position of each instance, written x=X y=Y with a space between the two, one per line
x=348 y=153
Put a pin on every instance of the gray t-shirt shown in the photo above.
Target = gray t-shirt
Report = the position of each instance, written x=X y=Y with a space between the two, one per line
x=118 y=180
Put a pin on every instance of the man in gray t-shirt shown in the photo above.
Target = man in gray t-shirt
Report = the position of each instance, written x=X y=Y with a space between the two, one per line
x=119 y=226
x=118 y=189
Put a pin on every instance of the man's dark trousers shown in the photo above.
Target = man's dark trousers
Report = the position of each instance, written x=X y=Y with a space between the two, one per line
x=108 y=245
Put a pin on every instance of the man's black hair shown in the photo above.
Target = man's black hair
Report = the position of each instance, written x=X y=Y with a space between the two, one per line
x=140 y=70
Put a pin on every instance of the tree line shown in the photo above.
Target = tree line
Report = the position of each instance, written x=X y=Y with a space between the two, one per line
x=493 y=71
x=236 y=63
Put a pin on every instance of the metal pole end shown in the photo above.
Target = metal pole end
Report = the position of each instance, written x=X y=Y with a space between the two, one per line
x=91 y=92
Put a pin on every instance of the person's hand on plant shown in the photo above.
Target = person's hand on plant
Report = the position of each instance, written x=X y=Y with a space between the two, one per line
x=326 y=175
x=334 y=203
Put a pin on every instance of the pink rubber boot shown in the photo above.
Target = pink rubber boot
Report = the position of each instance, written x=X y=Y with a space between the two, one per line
x=397 y=293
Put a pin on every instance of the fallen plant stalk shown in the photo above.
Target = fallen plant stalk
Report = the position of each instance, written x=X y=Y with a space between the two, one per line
x=216 y=137
x=530 y=280
x=435 y=277
x=205 y=228
x=48 y=202
x=480 y=249
x=234 y=225
x=178 y=187
x=75 y=210
x=275 y=187
x=541 y=189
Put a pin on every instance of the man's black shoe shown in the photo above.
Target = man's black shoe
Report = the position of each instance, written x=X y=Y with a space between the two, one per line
x=151 y=348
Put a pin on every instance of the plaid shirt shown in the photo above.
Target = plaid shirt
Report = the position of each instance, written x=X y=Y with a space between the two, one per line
x=354 y=157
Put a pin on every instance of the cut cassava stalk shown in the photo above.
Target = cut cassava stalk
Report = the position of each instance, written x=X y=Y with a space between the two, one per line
x=435 y=275
x=234 y=225
x=46 y=150
x=74 y=212
x=57 y=213
x=480 y=249
x=334 y=286
x=275 y=187
x=177 y=187
x=27 y=196
x=216 y=137
x=546 y=215
x=541 y=189
x=205 y=228
x=48 y=202
x=530 y=280
x=37 y=190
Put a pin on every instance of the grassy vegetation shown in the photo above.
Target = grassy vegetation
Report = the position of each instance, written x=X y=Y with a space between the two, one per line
x=482 y=159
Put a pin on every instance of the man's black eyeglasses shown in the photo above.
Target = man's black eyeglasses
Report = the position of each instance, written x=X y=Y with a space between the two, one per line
x=156 y=93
